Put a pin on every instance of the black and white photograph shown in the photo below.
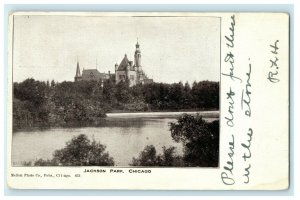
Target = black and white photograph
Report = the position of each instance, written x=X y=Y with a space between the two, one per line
x=130 y=91
x=148 y=100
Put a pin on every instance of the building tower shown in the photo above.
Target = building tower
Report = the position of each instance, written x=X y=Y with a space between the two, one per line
x=137 y=56
x=77 y=75
x=137 y=63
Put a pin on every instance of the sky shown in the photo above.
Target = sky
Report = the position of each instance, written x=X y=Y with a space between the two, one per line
x=173 y=48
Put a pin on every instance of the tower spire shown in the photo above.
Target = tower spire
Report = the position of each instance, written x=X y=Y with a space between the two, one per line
x=77 y=70
x=137 y=43
x=77 y=75
x=137 y=56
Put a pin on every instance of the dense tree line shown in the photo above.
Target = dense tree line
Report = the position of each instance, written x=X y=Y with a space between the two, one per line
x=202 y=95
x=44 y=104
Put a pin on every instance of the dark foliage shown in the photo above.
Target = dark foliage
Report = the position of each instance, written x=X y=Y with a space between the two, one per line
x=44 y=104
x=161 y=96
x=38 y=104
x=80 y=151
x=200 y=140
x=148 y=157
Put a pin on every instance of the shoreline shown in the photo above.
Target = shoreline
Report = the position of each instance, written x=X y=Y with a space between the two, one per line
x=213 y=114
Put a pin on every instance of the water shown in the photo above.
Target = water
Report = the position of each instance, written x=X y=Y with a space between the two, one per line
x=124 y=135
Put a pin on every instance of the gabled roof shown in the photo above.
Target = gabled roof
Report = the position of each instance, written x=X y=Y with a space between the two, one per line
x=90 y=74
x=123 y=64
x=93 y=74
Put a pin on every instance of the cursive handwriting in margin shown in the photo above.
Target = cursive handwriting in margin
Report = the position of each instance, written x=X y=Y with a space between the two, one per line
x=229 y=58
x=247 y=155
x=273 y=73
x=247 y=99
x=227 y=174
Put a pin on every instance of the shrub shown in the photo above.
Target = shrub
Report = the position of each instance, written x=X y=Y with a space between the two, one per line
x=148 y=157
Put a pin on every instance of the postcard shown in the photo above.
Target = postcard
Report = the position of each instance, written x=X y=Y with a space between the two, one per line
x=148 y=101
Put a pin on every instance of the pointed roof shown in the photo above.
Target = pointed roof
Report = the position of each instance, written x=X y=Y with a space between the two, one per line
x=124 y=63
x=137 y=43
x=77 y=71
x=137 y=47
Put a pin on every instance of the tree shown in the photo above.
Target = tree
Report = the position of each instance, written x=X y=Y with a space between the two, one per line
x=206 y=94
x=52 y=83
x=122 y=91
x=200 y=140
x=80 y=151
x=22 y=117
x=32 y=91
x=187 y=97
x=30 y=99
x=109 y=92
x=146 y=158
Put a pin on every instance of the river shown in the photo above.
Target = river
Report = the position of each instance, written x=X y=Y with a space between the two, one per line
x=125 y=135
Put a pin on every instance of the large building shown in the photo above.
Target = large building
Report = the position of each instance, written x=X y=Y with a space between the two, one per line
x=125 y=71
x=133 y=72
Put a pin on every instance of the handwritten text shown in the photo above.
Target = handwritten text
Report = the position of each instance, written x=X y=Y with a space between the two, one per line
x=274 y=67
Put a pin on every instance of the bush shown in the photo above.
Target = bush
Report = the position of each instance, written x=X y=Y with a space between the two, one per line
x=42 y=162
x=80 y=151
x=148 y=157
